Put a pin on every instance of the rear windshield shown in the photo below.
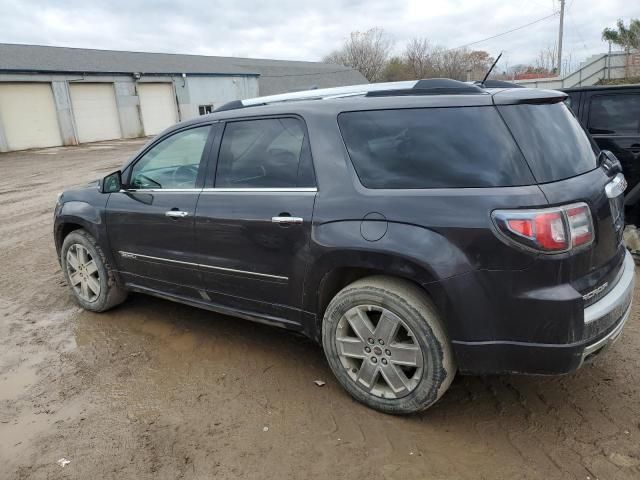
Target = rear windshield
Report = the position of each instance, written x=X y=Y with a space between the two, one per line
x=552 y=140
x=433 y=148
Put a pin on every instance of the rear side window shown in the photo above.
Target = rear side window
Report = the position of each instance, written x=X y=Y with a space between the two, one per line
x=615 y=114
x=552 y=140
x=267 y=153
x=433 y=148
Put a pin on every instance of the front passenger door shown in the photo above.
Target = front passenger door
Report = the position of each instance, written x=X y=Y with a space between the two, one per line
x=151 y=222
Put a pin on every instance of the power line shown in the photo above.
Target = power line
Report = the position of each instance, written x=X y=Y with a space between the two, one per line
x=507 y=32
x=319 y=72
x=573 y=24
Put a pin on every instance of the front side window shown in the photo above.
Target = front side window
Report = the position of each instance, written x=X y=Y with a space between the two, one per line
x=615 y=114
x=262 y=153
x=172 y=163
x=433 y=148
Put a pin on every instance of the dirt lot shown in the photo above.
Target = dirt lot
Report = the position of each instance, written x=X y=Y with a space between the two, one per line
x=155 y=389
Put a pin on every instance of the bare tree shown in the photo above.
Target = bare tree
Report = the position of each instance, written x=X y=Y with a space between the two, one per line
x=417 y=55
x=546 y=60
x=456 y=63
x=368 y=52
x=478 y=62
x=397 y=70
x=449 y=63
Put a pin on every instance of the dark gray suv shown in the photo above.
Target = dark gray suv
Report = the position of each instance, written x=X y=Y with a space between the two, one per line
x=415 y=229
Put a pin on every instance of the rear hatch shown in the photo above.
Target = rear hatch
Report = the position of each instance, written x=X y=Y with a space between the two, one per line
x=564 y=160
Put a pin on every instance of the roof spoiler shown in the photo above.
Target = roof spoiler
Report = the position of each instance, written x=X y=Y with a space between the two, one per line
x=515 y=96
x=497 y=84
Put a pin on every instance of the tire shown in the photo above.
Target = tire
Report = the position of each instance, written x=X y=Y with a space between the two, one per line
x=78 y=246
x=413 y=367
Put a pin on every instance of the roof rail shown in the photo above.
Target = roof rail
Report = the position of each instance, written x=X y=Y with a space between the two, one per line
x=432 y=86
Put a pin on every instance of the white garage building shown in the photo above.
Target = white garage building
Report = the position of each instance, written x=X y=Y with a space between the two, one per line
x=51 y=96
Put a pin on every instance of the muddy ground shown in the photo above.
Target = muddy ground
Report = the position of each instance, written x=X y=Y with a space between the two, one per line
x=154 y=389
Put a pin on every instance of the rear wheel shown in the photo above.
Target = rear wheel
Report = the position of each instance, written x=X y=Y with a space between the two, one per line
x=386 y=345
x=88 y=273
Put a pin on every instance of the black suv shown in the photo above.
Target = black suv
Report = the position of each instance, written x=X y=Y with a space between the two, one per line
x=611 y=114
x=415 y=229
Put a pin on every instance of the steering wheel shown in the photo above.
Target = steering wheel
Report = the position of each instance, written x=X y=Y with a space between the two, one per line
x=184 y=176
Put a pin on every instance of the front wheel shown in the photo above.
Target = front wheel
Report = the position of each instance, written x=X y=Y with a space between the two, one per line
x=385 y=343
x=88 y=273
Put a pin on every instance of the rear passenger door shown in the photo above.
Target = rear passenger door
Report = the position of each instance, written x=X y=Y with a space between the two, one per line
x=253 y=219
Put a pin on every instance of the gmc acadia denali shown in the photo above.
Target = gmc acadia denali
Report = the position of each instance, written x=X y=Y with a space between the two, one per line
x=415 y=229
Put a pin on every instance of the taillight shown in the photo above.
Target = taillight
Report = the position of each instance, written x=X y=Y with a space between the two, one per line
x=550 y=230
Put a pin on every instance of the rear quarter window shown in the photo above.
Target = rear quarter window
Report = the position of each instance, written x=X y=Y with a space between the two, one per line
x=433 y=148
x=552 y=140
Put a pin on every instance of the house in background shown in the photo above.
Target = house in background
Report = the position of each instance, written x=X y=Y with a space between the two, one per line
x=51 y=96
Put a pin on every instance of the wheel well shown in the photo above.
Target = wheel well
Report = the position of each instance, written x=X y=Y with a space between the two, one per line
x=337 y=279
x=65 y=230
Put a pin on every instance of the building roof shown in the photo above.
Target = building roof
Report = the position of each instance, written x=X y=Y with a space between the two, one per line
x=275 y=75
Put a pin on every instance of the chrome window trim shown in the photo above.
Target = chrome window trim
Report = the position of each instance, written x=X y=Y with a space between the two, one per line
x=259 y=190
x=135 y=256
x=220 y=190
x=160 y=190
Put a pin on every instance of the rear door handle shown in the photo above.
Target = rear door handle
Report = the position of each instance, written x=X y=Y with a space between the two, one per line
x=176 y=214
x=296 y=220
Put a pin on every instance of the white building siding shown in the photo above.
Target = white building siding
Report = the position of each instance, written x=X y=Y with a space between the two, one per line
x=217 y=91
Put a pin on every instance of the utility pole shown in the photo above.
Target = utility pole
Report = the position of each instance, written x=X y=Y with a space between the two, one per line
x=559 y=67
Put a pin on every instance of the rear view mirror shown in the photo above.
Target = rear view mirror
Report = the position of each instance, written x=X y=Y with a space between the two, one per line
x=112 y=182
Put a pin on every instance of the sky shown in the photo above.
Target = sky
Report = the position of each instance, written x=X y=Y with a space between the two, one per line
x=301 y=30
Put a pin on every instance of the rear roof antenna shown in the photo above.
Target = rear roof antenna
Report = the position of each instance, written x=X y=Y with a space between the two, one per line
x=490 y=70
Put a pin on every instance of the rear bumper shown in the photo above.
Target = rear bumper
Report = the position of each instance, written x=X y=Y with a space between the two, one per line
x=606 y=318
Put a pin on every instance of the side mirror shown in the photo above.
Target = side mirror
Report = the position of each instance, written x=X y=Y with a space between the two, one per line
x=112 y=182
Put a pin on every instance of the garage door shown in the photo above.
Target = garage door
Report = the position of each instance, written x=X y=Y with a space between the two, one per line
x=158 y=107
x=28 y=115
x=95 y=111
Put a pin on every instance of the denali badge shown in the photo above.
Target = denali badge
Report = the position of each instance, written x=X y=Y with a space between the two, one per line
x=593 y=293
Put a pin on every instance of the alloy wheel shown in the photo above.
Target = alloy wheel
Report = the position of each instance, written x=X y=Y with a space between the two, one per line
x=379 y=351
x=83 y=272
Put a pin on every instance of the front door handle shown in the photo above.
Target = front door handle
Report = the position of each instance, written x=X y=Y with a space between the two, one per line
x=287 y=220
x=176 y=214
